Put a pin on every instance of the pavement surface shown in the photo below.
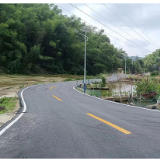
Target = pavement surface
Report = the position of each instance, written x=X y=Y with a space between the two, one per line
x=62 y=123
x=116 y=77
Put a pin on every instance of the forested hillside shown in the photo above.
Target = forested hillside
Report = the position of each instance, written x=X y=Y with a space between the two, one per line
x=152 y=61
x=37 y=38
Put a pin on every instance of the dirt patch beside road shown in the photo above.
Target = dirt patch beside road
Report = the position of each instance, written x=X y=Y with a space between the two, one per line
x=9 y=92
x=11 y=84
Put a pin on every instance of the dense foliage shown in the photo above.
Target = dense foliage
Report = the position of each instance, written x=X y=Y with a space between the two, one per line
x=152 y=61
x=37 y=38
x=148 y=88
x=154 y=73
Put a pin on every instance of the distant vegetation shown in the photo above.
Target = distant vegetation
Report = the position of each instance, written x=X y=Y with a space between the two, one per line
x=37 y=38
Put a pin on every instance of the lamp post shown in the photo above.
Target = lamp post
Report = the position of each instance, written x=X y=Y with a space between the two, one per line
x=85 y=30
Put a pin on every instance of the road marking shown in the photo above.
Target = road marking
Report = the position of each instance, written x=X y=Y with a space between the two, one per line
x=57 y=98
x=110 y=124
x=52 y=87
x=24 y=110
x=74 y=88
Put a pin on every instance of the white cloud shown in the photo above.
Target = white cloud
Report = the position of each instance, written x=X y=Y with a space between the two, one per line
x=146 y=16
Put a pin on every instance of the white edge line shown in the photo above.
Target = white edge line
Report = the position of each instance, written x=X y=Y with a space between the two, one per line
x=24 y=110
x=117 y=102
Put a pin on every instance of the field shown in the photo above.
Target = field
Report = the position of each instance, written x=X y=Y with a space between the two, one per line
x=11 y=84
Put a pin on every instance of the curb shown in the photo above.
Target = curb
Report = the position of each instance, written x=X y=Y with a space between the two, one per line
x=20 y=112
x=117 y=102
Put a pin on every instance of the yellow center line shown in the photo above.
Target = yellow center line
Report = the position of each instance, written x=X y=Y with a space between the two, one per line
x=57 y=98
x=110 y=124
x=52 y=87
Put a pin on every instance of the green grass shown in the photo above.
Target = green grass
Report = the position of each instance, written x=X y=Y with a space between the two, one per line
x=96 y=93
x=8 y=102
x=68 y=79
x=22 y=86
x=106 y=93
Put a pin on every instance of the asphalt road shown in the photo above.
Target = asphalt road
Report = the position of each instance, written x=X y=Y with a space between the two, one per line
x=61 y=123
x=116 y=77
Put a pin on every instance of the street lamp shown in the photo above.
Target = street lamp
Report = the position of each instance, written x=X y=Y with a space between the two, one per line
x=85 y=30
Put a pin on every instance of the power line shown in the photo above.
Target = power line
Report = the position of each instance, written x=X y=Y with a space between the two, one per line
x=71 y=13
x=126 y=23
x=93 y=25
x=136 y=26
x=106 y=26
x=112 y=23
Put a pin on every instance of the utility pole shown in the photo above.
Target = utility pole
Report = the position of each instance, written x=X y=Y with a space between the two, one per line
x=85 y=65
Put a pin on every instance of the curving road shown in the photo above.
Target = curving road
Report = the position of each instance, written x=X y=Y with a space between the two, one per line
x=61 y=123
x=116 y=77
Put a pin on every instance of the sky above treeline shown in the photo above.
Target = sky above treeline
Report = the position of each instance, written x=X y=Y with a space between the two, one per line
x=136 y=26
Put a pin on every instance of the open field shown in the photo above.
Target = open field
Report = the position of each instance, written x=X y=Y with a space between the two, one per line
x=19 y=80
x=11 y=84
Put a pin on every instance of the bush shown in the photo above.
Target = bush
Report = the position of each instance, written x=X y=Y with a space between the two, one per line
x=150 y=95
x=103 y=81
x=147 y=87
x=155 y=73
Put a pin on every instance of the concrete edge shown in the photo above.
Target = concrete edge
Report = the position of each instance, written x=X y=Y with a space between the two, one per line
x=19 y=113
x=117 y=102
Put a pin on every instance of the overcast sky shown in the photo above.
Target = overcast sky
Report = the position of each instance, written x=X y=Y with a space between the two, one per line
x=145 y=16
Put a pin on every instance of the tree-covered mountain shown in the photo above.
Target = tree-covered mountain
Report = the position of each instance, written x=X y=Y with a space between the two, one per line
x=38 y=38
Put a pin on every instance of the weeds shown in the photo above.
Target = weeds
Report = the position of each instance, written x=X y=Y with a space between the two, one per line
x=8 y=102
x=22 y=86
x=68 y=79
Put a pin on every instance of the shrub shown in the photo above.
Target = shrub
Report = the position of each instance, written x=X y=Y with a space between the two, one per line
x=155 y=73
x=103 y=81
x=150 y=95
x=147 y=87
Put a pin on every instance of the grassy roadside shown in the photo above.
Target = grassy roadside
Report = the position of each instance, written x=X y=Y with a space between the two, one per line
x=11 y=84
x=7 y=104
